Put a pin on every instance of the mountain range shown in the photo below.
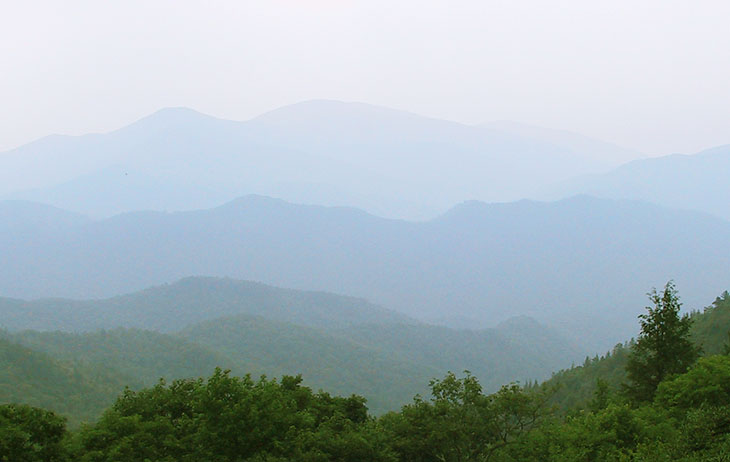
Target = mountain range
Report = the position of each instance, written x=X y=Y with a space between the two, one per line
x=692 y=182
x=391 y=163
x=187 y=328
x=582 y=264
x=119 y=266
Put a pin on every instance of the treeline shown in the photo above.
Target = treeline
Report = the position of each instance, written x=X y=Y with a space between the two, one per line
x=227 y=418
x=672 y=404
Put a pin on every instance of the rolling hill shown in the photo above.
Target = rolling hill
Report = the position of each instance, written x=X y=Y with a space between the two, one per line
x=37 y=379
x=325 y=361
x=172 y=307
x=337 y=343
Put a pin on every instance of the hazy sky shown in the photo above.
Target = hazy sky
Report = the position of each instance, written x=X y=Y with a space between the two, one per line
x=651 y=75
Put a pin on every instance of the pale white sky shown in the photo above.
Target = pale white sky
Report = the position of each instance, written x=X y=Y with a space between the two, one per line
x=651 y=75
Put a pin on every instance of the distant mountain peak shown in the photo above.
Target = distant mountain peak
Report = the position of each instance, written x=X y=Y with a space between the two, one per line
x=177 y=110
x=174 y=117
x=256 y=202
x=473 y=208
x=323 y=111
x=268 y=204
x=177 y=113
x=720 y=151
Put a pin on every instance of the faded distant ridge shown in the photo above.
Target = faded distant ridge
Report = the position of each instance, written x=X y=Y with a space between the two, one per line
x=25 y=216
x=697 y=182
x=582 y=263
x=389 y=162
x=172 y=307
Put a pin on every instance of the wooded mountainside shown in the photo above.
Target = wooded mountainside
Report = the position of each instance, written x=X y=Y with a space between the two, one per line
x=235 y=418
x=341 y=344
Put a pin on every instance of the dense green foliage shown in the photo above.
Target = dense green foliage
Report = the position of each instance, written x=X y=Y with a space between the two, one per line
x=30 y=434
x=663 y=347
x=227 y=418
x=711 y=327
x=460 y=423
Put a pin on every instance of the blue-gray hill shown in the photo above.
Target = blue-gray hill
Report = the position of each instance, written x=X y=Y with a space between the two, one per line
x=581 y=263
x=693 y=182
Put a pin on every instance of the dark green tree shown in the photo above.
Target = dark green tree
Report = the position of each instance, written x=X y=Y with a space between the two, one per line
x=461 y=423
x=663 y=348
x=601 y=396
x=233 y=419
x=726 y=345
x=30 y=434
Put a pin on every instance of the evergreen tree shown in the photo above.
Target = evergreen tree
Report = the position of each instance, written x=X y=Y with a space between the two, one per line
x=663 y=347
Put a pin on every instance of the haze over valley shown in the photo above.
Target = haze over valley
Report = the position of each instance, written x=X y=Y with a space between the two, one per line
x=366 y=202
x=364 y=231
x=483 y=262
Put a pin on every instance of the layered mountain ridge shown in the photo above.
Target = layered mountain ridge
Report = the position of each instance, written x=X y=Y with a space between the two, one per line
x=389 y=162
x=487 y=262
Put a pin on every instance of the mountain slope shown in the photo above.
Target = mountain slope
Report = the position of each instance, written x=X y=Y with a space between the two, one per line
x=390 y=162
x=325 y=361
x=575 y=386
x=27 y=216
x=518 y=350
x=606 y=155
x=487 y=262
x=171 y=307
x=696 y=182
x=386 y=363
x=143 y=356
x=75 y=390
x=338 y=343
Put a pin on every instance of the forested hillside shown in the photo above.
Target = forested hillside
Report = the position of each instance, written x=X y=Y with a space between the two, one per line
x=171 y=307
x=509 y=350
x=76 y=390
x=340 y=344
x=685 y=418
x=328 y=361
x=146 y=356
x=576 y=386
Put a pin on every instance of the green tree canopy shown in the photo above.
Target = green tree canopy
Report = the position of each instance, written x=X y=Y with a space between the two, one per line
x=30 y=434
x=461 y=423
x=663 y=348
x=226 y=418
